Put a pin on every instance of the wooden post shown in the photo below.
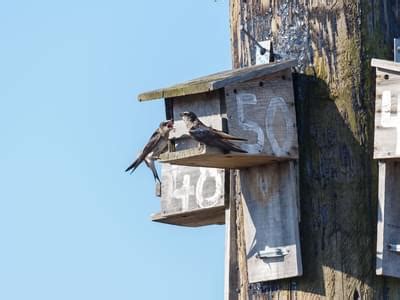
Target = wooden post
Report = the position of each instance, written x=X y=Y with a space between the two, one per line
x=333 y=42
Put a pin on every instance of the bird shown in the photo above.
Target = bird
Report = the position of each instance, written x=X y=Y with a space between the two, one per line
x=208 y=135
x=156 y=145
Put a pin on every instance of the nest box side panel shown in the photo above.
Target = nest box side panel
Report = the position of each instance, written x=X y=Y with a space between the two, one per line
x=193 y=191
x=271 y=221
x=263 y=111
x=192 y=196
x=207 y=106
x=388 y=233
x=387 y=115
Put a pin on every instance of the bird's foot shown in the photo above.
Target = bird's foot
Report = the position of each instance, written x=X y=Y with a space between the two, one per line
x=158 y=188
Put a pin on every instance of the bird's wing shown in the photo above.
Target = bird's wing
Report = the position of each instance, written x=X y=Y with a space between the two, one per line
x=223 y=135
x=151 y=144
x=226 y=136
x=154 y=139
x=212 y=138
x=226 y=146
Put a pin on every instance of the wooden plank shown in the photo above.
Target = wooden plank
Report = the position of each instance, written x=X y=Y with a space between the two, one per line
x=211 y=157
x=216 y=81
x=387 y=115
x=206 y=106
x=193 y=218
x=263 y=111
x=187 y=193
x=271 y=221
x=385 y=64
x=231 y=280
x=387 y=261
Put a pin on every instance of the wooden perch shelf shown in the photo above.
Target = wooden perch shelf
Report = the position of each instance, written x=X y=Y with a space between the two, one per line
x=211 y=157
x=193 y=218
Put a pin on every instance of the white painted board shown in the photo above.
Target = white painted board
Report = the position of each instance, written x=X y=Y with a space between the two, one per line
x=186 y=189
x=388 y=233
x=263 y=111
x=387 y=115
x=271 y=220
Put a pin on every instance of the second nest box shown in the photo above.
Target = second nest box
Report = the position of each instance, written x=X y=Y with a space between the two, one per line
x=255 y=103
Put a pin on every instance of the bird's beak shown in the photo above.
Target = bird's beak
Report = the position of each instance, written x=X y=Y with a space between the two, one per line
x=182 y=114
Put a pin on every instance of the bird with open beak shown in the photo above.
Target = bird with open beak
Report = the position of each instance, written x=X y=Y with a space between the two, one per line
x=208 y=135
x=156 y=145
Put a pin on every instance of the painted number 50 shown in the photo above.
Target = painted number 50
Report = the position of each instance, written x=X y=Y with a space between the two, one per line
x=275 y=104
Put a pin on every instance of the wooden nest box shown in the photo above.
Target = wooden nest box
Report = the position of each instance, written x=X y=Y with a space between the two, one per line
x=387 y=109
x=255 y=103
x=387 y=151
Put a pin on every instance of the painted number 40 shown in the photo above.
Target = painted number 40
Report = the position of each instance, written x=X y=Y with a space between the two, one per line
x=196 y=185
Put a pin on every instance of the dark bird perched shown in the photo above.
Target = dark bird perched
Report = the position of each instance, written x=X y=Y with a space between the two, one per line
x=208 y=135
x=155 y=146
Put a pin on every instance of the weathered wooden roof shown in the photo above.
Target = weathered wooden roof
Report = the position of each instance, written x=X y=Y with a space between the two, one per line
x=385 y=64
x=217 y=81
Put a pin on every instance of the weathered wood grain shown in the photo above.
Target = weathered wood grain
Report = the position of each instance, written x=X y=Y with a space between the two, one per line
x=207 y=106
x=263 y=111
x=216 y=81
x=231 y=280
x=333 y=42
x=271 y=221
x=387 y=261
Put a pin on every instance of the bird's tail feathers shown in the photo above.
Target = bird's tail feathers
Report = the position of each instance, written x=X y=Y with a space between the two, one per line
x=227 y=136
x=136 y=163
x=133 y=166
x=236 y=148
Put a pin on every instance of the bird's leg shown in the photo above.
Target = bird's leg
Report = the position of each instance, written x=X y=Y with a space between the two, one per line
x=171 y=145
x=158 y=189
x=201 y=146
x=150 y=163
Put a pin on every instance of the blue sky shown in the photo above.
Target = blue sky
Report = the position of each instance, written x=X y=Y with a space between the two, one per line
x=73 y=225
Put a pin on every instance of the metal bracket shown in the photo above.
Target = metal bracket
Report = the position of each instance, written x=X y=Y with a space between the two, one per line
x=263 y=57
x=394 y=248
x=272 y=253
x=396 y=50
x=263 y=50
